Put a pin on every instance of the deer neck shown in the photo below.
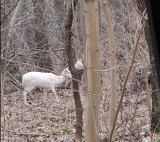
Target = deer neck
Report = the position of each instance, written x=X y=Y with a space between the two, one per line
x=61 y=79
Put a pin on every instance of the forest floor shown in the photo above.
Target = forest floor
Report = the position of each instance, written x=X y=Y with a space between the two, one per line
x=53 y=122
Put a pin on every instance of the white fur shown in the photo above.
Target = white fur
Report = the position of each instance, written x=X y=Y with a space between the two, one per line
x=79 y=65
x=47 y=81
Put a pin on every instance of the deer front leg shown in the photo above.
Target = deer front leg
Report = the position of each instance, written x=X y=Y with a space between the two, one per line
x=45 y=94
x=56 y=96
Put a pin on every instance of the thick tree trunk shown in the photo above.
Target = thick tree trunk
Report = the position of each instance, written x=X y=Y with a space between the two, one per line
x=41 y=57
x=75 y=74
x=93 y=77
x=155 y=115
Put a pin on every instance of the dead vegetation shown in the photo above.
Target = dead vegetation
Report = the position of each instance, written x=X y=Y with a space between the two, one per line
x=50 y=122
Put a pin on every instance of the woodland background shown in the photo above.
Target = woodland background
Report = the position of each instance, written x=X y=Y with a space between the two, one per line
x=49 y=35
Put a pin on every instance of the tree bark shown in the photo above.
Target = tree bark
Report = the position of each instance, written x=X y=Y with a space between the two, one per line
x=112 y=48
x=75 y=73
x=155 y=115
x=93 y=77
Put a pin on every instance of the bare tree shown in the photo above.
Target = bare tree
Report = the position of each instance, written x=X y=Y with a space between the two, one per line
x=155 y=115
x=93 y=64
x=41 y=56
x=5 y=50
x=75 y=73
x=112 y=47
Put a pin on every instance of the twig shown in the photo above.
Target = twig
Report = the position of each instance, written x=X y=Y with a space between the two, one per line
x=142 y=15
x=24 y=64
x=5 y=16
x=16 y=82
x=125 y=83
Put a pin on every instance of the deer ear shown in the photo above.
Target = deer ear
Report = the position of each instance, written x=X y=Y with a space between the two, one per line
x=68 y=69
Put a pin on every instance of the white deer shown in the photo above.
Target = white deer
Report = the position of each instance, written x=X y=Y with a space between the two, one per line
x=47 y=81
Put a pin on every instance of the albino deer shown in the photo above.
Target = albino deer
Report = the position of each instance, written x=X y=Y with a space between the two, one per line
x=47 y=81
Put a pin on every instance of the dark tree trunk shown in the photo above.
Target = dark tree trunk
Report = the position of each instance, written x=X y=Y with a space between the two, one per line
x=155 y=115
x=75 y=73
x=41 y=57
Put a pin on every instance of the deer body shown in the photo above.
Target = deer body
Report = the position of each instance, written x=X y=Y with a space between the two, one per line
x=47 y=81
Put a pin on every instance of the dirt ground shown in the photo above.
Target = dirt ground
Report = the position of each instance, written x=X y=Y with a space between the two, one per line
x=53 y=122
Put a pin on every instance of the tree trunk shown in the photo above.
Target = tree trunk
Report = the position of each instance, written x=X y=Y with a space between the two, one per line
x=93 y=77
x=112 y=48
x=41 y=56
x=83 y=31
x=75 y=74
x=155 y=115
